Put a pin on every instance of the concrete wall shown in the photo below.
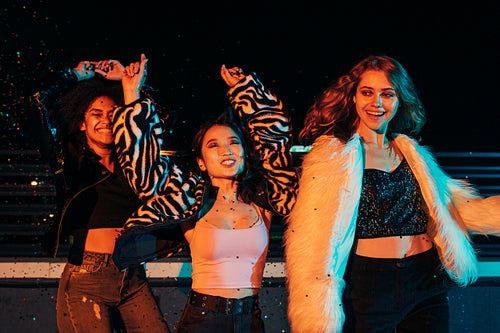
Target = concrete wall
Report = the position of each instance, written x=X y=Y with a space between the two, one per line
x=27 y=307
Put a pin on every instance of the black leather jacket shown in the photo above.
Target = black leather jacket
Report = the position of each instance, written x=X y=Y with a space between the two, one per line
x=75 y=166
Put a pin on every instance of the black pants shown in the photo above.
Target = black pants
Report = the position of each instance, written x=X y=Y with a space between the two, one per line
x=198 y=318
x=397 y=295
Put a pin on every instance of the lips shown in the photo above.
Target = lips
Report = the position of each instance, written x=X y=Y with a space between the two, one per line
x=104 y=130
x=375 y=113
x=228 y=162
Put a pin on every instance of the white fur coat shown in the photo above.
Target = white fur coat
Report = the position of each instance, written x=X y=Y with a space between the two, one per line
x=321 y=226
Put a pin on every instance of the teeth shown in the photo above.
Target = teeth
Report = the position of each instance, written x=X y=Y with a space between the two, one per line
x=104 y=130
x=228 y=162
x=375 y=113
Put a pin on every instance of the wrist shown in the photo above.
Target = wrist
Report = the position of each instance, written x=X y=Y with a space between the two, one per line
x=130 y=95
x=76 y=74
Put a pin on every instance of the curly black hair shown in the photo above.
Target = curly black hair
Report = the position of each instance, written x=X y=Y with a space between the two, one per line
x=75 y=103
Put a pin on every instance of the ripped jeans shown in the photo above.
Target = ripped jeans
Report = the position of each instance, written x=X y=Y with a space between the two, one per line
x=89 y=292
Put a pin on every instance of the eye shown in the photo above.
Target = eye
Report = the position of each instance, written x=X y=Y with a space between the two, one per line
x=212 y=145
x=235 y=142
x=366 y=93
x=389 y=95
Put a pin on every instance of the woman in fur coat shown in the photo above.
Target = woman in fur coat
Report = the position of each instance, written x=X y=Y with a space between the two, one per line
x=378 y=250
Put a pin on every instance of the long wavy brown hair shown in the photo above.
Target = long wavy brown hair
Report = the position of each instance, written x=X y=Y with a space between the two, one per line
x=334 y=112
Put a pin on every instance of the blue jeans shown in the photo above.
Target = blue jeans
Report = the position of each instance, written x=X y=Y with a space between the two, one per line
x=89 y=293
x=397 y=295
x=196 y=319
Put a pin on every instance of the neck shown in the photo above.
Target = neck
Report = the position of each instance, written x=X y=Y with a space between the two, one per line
x=228 y=189
x=373 y=138
x=105 y=155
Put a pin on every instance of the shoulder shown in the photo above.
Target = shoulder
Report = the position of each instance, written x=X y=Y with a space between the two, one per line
x=328 y=148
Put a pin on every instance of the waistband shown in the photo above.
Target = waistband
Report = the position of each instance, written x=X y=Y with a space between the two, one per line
x=224 y=305
x=89 y=256
x=428 y=257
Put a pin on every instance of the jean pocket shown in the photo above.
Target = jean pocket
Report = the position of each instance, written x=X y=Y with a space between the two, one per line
x=88 y=267
x=193 y=316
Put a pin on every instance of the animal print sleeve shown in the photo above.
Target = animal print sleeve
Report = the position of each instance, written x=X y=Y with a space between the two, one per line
x=269 y=130
x=138 y=139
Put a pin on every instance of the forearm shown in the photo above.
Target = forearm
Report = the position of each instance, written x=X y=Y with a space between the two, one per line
x=269 y=130
x=138 y=139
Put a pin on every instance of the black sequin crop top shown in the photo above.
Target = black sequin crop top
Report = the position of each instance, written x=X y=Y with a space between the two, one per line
x=391 y=204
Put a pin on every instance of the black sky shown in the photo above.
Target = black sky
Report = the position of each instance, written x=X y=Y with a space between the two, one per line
x=295 y=47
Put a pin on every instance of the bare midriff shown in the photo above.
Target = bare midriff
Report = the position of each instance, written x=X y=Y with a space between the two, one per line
x=102 y=240
x=394 y=247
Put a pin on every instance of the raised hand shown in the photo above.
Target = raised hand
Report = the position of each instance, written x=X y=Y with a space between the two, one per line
x=231 y=76
x=84 y=70
x=109 y=69
x=133 y=78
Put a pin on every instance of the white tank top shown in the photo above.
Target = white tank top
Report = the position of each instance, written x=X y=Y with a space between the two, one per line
x=228 y=258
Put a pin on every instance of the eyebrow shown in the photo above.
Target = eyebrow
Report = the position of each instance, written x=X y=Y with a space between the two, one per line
x=368 y=87
x=231 y=137
x=99 y=110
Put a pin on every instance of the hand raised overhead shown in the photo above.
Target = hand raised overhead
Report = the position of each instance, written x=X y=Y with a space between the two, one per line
x=133 y=79
x=231 y=76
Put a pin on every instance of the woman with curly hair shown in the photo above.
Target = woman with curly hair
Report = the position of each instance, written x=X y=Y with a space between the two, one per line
x=94 y=201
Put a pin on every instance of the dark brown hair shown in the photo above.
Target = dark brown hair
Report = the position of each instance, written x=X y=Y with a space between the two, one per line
x=249 y=179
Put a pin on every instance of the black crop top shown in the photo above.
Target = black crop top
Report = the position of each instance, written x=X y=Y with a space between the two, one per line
x=116 y=201
x=391 y=204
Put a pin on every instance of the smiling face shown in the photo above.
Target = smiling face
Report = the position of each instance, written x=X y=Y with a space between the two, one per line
x=376 y=102
x=222 y=153
x=98 y=125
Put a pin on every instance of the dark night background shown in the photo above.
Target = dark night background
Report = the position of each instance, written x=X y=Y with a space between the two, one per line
x=297 y=47
x=450 y=48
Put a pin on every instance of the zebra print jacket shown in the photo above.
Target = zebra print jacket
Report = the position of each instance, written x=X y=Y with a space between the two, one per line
x=174 y=200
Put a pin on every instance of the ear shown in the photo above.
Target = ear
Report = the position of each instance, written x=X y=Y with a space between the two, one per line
x=83 y=127
x=354 y=99
x=201 y=164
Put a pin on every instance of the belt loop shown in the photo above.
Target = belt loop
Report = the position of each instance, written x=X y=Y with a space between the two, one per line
x=217 y=303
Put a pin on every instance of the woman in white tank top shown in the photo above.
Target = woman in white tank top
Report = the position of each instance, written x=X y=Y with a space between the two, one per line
x=229 y=243
x=225 y=213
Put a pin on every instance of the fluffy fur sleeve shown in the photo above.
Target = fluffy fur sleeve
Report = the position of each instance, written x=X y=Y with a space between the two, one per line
x=441 y=194
x=320 y=235
x=481 y=215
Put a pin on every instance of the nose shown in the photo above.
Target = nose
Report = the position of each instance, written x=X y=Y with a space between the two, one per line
x=108 y=119
x=225 y=149
x=377 y=100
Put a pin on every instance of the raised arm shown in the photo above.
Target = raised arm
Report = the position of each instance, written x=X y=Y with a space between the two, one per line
x=269 y=129
x=138 y=139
